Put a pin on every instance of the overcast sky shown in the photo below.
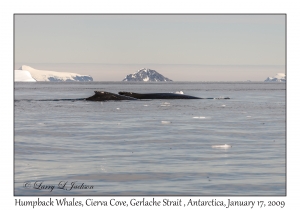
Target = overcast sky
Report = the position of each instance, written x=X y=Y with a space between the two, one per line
x=160 y=41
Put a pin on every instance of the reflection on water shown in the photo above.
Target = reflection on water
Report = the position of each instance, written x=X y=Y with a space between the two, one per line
x=144 y=148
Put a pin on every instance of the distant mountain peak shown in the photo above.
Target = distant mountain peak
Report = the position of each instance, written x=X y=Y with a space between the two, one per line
x=146 y=75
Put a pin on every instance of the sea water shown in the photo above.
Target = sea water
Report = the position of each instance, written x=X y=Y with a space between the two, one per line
x=150 y=147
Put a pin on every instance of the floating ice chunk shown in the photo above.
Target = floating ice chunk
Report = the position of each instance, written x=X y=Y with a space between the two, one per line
x=223 y=105
x=145 y=105
x=221 y=146
x=201 y=117
x=165 y=104
x=166 y=122
x=179 y=92
x=118 y=108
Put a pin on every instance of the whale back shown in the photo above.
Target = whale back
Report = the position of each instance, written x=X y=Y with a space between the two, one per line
x=107 y=96
x=157 y=95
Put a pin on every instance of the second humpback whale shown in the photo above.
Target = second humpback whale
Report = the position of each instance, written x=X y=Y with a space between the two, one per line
x=162 y=96
x=157 y=95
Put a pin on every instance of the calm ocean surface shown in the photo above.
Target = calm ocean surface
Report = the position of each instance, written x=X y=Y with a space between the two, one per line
x=123 y=148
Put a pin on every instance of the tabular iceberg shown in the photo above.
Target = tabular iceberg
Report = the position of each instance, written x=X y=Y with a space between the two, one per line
x=27 y=73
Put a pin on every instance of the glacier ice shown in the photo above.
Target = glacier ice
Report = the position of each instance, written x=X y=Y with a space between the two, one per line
x=50 y=76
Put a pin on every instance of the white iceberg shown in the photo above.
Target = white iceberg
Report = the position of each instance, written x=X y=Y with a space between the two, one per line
x=280 y=77
x=23 y=76
x=52 y=76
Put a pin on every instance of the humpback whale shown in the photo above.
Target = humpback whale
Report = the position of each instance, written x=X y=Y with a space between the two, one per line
x=157 y=95
x=107 y=96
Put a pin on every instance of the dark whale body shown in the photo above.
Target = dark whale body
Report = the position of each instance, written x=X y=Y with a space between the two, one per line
x=157 y=95
x=107 y=96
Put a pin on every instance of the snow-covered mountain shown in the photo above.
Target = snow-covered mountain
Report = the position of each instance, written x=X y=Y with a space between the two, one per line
x=280 y=77
x=146 y=75
x=52 y=76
